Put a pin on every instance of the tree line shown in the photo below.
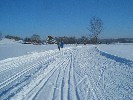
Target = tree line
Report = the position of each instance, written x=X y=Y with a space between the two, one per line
x=37 y=39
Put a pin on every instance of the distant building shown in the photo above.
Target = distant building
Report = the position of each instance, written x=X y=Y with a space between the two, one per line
x=50 y=40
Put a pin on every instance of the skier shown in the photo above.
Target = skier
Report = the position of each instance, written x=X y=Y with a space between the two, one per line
x=58 y=44
x=61 y=44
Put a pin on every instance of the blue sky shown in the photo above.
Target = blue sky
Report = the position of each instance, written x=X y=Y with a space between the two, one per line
x=65 y=17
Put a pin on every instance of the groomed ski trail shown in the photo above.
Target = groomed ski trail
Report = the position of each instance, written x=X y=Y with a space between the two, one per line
x=77 y=73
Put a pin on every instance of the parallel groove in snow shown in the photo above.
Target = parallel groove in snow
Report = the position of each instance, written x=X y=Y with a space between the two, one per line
x=79 y=73
x=44 y=81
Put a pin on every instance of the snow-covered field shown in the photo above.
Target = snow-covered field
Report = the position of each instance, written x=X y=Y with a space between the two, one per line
x=121 y=50
x=10 y=48
x=42 y=72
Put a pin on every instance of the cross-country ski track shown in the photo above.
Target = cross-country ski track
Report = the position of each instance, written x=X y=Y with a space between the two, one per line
x=74 y=73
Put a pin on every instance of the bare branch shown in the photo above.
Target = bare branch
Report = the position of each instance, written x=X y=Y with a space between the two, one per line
x=95 y=27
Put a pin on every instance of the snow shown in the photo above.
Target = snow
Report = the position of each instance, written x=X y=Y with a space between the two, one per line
x=10 y=48
x=121 y=50
x=90 y=72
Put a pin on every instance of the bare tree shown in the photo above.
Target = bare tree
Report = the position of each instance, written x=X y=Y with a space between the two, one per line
x=95 y=27
x=35 y=38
